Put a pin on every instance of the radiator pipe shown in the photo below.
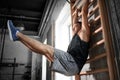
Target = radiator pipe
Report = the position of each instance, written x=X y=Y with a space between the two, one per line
x=20 y=17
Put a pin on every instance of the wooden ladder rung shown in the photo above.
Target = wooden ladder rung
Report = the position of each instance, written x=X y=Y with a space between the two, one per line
x=76 y=3
x=96 y=57
x=95 y=20
x=97 y=31
x=79 y=13
x=80 y=2
x=91 y=2
x=97 y=44
x=93 y=11
x=90 y=13
x=73 y=13
x=94 y=71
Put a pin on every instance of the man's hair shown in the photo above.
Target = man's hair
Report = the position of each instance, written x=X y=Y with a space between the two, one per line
x=80 y=23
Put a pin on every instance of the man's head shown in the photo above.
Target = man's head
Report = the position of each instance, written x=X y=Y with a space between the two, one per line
x=77 y=27
x=79 y=23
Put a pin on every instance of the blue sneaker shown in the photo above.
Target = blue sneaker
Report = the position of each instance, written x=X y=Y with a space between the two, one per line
x=12 y=31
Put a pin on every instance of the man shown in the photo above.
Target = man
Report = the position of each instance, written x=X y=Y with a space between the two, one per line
x=70 y=62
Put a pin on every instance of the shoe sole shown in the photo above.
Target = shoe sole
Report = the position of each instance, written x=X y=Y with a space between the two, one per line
x=10 y=34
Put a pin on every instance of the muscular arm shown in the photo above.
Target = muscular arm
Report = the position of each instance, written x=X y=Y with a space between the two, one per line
x=84 y=16
x=85 y=30
x=75 y=20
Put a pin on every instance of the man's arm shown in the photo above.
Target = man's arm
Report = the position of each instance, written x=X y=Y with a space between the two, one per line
x=84 y=16
x=75 y=18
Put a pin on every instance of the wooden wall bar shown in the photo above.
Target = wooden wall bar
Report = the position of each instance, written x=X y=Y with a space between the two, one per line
x=100 y=52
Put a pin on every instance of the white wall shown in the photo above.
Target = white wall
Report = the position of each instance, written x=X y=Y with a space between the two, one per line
x=15 y=50
x=62 y=35
x=21 y=53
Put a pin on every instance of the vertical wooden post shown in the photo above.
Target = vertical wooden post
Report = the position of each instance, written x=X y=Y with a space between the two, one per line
x=72 y=10
x=106 y=36
x=77 y=77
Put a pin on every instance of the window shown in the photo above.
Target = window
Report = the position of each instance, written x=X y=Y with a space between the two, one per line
x=63 y=34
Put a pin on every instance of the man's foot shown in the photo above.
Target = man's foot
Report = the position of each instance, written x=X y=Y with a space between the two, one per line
x=12 y=31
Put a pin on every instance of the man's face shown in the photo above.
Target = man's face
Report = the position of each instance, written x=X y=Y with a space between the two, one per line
x=77 y=27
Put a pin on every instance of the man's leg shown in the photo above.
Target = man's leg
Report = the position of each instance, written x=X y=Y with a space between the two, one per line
x=36 y=46
x=32 y=44
x=29 y=47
